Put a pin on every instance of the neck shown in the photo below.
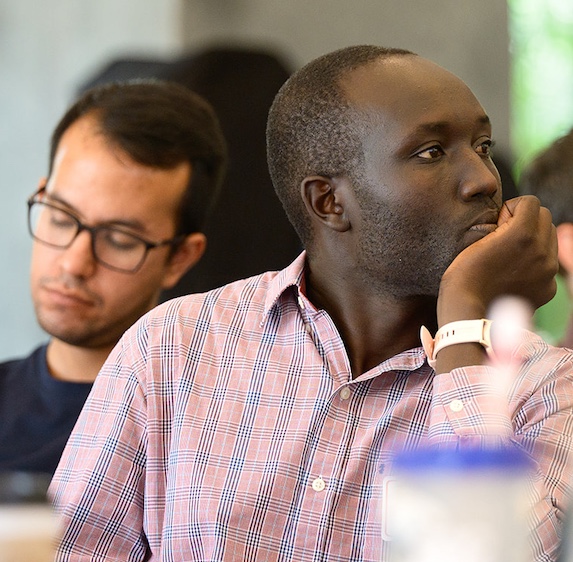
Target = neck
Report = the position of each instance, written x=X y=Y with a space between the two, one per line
x=72 y=363
x=373 y=327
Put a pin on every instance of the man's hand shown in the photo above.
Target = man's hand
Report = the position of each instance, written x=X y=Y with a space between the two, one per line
x=518 y=258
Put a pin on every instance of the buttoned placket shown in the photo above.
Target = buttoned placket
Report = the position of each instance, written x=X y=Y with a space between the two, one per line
x=318 y=473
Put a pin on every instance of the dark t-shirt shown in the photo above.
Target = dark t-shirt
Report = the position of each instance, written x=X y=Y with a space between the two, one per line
x=37 y=414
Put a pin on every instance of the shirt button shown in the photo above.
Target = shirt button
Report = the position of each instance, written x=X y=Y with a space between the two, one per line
x=308 y=328
x=318 y=484
x=345 y=393
x=456 y=406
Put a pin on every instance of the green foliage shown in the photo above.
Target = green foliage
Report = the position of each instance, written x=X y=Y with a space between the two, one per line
x=541 y=46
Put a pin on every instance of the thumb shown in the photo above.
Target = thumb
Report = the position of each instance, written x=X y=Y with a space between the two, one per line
x=507 y=210
x=529 y=203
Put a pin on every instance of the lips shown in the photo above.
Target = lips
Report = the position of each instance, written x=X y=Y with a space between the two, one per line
x=486 y=223
x=66 y=297
x=486 y=228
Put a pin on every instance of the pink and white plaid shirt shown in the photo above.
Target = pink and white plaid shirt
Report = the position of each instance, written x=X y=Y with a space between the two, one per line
x=227 y=426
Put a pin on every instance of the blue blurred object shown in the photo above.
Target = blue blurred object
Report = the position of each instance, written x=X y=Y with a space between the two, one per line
x=505 y=458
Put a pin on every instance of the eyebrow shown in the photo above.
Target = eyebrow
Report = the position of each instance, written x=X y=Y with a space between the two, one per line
x=130 y=224
x=441 y=126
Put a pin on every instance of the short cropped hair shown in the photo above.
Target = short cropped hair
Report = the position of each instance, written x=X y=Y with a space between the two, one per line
x=159 y=124
x=313 y=130
x=549 y=176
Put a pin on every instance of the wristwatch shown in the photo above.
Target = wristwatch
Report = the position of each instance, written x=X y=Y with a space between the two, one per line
x=462 y=331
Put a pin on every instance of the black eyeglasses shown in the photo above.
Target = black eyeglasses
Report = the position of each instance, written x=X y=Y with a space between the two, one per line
x=117 y=249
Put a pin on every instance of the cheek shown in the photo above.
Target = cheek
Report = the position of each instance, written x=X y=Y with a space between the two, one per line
x=426 y=204
x=120 y=290
x=426 y=222
x=42 y=262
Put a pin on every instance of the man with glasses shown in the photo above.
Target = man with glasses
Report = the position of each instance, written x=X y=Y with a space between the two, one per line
x=134 y=171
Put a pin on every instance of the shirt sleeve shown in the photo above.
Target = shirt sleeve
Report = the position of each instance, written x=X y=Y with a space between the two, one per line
x=98 y=486
x=534 y=411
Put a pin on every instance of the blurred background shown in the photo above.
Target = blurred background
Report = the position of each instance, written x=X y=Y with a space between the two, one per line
x=516 y=56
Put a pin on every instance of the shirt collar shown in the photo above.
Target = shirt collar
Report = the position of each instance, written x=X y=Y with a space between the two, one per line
x=291 y=276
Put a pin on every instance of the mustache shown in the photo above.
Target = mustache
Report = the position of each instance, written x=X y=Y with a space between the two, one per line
x=70 y=285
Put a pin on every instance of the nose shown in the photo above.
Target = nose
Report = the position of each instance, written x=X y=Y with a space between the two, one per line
x=78 y=258
x=479 y=177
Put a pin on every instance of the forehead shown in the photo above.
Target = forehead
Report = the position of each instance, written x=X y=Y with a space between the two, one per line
x=103 y=184
x=406 y=92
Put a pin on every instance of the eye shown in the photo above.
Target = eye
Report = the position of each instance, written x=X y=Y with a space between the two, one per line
x=118 y=240
x=485 y=148
x=60 y=219
x=431 y=153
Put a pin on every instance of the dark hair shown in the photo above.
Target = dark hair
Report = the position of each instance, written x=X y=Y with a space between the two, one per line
x=312 y=129
x=550 y=177
x=159 y=124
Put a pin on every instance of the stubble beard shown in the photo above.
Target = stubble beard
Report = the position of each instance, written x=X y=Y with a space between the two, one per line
x=85 y=332
x=401 y=256
x=78 y=334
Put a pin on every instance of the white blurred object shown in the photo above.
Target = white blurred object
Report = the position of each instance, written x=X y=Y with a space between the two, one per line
x=466 y=505
x=27 y=522
x=27 y=533
x=510 y=316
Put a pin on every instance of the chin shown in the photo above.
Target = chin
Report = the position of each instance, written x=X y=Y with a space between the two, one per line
x=70 y=334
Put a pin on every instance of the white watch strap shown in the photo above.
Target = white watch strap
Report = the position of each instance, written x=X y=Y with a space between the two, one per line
x=462 y=331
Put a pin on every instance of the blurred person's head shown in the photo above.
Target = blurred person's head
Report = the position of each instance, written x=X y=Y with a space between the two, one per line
x=549 y=176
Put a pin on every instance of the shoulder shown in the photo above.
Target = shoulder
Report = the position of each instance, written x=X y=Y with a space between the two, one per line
x=175 y=325
x=245 y=296
x=33 y=364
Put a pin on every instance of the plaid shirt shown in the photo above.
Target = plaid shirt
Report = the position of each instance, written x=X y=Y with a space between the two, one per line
x=227 y=426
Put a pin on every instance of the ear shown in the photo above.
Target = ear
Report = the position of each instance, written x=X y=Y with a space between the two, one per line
x=324 y=201
x=565 y=246
x=188 y=253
